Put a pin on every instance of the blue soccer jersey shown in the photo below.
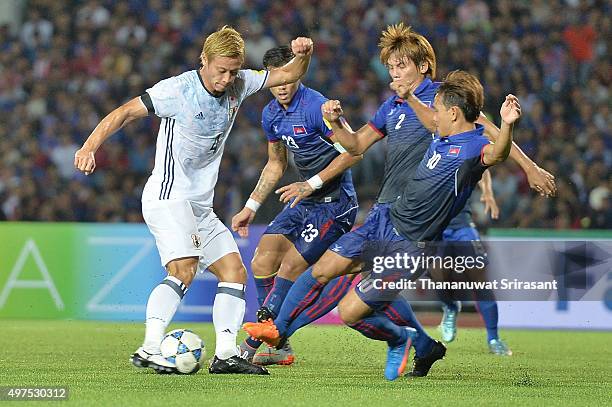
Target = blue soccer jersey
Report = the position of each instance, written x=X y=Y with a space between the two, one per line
x=441 y=186
x=407 y=139
x=302 y=129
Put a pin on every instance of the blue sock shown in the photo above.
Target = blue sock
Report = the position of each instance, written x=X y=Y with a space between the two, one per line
x=446 y=298
x=488 y=310
x=380 y=328
x=304 y=292
x=263 y=286
x=277 y=295
x=333 y=292
x=400 y=312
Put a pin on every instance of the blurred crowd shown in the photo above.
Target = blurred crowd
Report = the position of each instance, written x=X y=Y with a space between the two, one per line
x=69 y=63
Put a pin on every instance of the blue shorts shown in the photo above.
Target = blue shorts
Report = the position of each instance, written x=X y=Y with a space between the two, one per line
x=313 y=226
x=375 y=240
x=463 y=242
x=377 y=227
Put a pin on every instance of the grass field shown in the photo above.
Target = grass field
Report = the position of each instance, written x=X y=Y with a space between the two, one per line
x=335 y=366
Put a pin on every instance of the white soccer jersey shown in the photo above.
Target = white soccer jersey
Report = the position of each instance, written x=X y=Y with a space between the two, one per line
x=192 y=134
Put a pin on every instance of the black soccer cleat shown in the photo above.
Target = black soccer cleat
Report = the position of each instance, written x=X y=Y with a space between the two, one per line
x=235 y=365
x=144 y=359
x=421 y=365
x=263 y=314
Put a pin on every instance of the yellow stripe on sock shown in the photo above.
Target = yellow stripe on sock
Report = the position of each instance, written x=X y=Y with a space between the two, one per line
x=271 y=275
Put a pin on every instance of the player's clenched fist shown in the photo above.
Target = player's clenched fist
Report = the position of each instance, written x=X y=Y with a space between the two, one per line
x=332 y=110
x=85 y=161
x=302 y=46
x=510 y=110
x=402 y=87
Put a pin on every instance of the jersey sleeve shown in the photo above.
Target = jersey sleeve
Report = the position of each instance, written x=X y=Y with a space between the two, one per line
x=478 y=165
x=315 y=120
x=379 y=121
x=254 y=81
x=165 y=97
x=266 y=125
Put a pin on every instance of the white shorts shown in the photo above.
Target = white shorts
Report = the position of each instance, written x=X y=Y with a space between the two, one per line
x=186 y=229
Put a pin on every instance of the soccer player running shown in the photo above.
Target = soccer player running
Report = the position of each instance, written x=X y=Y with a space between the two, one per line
x=198 y=109
x=322 y=208
x=462 y=228
x=408 y=57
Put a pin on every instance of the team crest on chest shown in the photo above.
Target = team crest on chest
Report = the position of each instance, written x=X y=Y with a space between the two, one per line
x=454 y=151
x=196 y=241
x=299 y=129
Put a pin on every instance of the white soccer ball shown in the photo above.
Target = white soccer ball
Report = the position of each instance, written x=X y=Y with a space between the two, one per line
x=183 y=348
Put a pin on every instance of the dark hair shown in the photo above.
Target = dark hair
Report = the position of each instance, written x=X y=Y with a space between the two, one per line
x=278 y=56
x=467 y=95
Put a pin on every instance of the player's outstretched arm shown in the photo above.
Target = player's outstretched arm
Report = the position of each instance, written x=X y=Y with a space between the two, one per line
x=355 y=142
x=496 y=153
x=84 y=158
x=488 y=197
x=295 y=69
x=539 y=179
x=301 y=190
x=271 y=174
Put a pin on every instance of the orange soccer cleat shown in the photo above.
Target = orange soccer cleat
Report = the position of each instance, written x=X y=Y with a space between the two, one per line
x=264 y=331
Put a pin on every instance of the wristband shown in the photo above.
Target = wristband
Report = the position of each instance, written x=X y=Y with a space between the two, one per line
x=252 y=204
x=315 y=182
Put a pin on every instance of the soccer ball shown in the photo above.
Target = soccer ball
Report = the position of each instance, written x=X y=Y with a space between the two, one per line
x=183 y=348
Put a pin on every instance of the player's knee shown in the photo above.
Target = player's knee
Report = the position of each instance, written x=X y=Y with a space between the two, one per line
x=183 y=269
x=236 y=274
x=291 y=271
x=347 y=314
x=263 y=265
x=322 y=274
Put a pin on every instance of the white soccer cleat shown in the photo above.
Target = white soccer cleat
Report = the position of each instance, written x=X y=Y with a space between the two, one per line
x=143 y=359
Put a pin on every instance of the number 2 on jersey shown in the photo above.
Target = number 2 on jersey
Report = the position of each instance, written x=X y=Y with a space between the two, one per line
x=401 y=119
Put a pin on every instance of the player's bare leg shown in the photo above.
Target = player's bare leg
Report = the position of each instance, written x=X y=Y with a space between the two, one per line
x=266 y=262
x=161 y=307
x=228 y=313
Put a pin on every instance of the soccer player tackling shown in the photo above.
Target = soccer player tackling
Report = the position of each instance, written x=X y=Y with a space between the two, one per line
x=198 y=109
x=322 y=208
x=409 y=57
x=462 y=229
x=439 y=188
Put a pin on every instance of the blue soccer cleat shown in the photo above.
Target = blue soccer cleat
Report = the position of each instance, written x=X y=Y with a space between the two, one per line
x=448 y=325
x=397 y=356
x=499 y=347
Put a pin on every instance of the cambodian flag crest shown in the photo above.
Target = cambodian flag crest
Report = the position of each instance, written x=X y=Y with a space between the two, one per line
x=453 y=151
x=298 y=129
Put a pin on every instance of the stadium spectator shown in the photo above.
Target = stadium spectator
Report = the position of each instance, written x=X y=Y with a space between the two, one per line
x=69 y=63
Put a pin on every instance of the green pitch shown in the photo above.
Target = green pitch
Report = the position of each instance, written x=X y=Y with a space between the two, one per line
x=335 y=366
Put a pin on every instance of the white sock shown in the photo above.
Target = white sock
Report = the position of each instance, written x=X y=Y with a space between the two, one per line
x=228 y=312
x=161 y=307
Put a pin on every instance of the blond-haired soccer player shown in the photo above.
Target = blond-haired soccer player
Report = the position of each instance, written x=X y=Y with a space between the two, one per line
x=198 y=109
